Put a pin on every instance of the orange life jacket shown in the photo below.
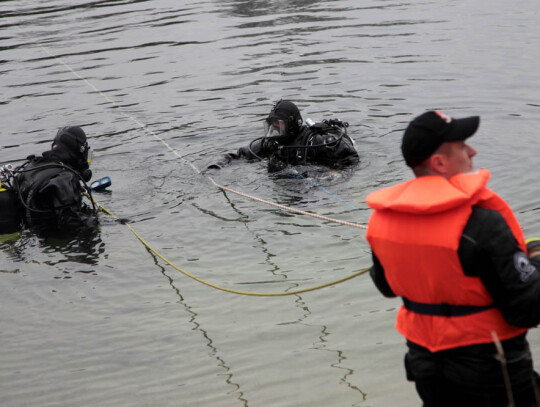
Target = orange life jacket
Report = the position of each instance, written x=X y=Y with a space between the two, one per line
x=415 y=231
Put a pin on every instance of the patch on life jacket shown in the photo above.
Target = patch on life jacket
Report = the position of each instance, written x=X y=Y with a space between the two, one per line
x=523 y=266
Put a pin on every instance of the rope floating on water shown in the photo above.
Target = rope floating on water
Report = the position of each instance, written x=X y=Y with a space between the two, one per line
x=230 y=290
x=287 y=208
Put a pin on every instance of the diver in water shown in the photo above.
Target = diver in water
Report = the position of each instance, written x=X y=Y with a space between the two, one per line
x=49 y=189
x=287 y=141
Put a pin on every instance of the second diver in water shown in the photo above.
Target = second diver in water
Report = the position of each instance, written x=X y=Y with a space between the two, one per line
x=288 y=141
x=47 y=191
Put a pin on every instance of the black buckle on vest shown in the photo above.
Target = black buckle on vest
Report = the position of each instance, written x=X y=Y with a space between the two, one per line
x=443 y=309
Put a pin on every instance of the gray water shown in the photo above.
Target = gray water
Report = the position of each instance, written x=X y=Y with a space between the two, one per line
x=163 y=88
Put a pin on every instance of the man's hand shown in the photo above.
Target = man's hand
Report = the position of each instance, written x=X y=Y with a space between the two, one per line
x=533 y=247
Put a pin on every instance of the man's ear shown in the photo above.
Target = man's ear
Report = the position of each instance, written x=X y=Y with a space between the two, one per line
x=437 y=163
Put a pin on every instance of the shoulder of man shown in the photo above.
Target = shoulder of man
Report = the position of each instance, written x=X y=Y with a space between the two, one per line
x=483 y=221
x=486 y=233
x=473 y=250
x=489 y=249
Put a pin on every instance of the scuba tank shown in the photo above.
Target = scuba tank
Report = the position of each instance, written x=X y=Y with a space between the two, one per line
x=317 y=143
x=10 y=215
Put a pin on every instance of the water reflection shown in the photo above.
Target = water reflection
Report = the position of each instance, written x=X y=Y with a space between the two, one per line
x=84 y=247
x=256 y=8
x=339 y=364
x=81 y=250
x=9 y=246
x=298 y=181
x=48 y=9
x=300 y=304
x=210 y=343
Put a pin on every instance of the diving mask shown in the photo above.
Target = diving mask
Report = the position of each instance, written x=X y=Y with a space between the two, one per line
x=275 y=128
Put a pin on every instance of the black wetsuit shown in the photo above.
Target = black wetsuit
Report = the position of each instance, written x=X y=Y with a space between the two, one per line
x=321 y=144
x=50 y=192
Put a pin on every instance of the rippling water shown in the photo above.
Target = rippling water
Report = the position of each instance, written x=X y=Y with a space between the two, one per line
x=164 y=88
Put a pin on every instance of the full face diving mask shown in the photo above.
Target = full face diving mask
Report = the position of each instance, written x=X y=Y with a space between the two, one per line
x=275 y=128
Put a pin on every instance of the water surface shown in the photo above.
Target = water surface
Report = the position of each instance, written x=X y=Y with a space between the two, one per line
x=163 y=88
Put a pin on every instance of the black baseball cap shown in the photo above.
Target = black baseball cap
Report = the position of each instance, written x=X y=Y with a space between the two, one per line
x=427 y=132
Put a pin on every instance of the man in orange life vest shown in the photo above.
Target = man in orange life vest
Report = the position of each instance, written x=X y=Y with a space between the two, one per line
x=456 y=254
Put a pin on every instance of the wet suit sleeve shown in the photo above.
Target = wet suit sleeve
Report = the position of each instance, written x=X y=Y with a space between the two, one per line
x=257 y=148
x=379 y=278
x=489 y=250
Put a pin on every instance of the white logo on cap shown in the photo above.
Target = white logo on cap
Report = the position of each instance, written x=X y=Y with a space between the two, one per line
x=446 y=118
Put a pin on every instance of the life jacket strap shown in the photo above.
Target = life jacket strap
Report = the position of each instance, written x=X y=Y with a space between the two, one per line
x=443 y=309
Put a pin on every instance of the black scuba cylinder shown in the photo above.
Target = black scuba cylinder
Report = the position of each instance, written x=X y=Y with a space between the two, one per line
x=10 y=216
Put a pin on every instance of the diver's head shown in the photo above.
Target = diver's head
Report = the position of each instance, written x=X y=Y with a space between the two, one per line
x=71 y=146
x=283 y=121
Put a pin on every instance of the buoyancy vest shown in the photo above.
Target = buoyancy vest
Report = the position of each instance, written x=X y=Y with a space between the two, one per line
x=415 y=231
x=325 y=143
x=51 y=192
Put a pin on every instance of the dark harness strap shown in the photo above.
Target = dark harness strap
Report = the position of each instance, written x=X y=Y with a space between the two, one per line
x=443 y=309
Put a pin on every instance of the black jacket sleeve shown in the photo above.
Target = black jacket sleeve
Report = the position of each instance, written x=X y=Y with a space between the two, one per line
x=379 y=279
x=489 y=250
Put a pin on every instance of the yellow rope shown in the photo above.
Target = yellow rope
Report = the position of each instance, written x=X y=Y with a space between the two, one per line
x=230 y=290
